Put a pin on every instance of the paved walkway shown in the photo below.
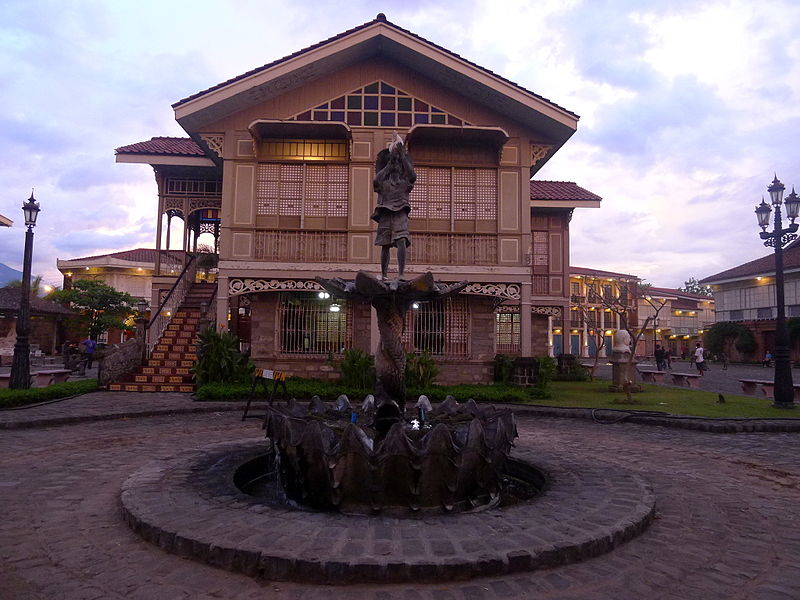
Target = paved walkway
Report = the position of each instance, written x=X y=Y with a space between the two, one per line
x=727 y=506
x=716 y=379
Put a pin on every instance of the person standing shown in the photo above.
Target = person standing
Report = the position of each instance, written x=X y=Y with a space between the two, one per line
x=668 y=358
x=89 y=346
x=660 y=359
x=767 y=362
x=699 y=359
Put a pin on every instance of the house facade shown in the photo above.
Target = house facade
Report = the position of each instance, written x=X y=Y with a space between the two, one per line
x=745 y=294
x=680 y=323
x=598 y=299
x=279 y=167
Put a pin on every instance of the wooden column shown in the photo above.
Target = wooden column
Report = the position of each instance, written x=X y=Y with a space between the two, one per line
x=525 y=327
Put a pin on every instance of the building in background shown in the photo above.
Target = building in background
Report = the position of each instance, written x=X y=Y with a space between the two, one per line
x=746 y=294
x=679 y=324
x=279 y=168
x=590 y=320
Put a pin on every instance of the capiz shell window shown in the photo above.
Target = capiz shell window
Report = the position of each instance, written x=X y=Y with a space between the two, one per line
x=313 y=325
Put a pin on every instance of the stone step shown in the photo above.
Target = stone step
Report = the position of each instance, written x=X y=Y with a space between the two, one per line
x=166 y=371
x=171 y=379
x=150 y=387
x=164 y=363
x=174 y=355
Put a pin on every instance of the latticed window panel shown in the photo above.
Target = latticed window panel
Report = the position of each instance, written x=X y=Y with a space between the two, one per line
x=440 y=327
x=541 y=249
x=310 y=325
x=305 y=150
x=379 y=104
x=193 y=187
x=302 y=189
x=461 y=194
x=507 y=331
x=298 y=246
x=541 y=284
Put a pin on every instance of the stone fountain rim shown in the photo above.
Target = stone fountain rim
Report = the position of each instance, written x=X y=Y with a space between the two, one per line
x=190 y=508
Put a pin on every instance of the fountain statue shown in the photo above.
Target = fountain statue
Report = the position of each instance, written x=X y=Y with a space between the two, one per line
x=449 y=458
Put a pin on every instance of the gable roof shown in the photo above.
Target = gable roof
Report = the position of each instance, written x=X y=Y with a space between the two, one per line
x=137 y=256
x=168 y=146
x=560 y=190
x=599 y=273
x=10 y=297
x=760 y=266
x=378 y=37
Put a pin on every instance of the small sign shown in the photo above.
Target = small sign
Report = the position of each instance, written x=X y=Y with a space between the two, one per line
x=270 y=374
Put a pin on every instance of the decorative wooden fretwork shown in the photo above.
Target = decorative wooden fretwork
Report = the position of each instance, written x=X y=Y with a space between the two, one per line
x=498 y=290
x=196 y=204
x=550 y=311
x=175 y=204
x=301 y=246
x=538 y=152
x=379 y=104
x=453 y=249
x=238 y=286
x=214 y=141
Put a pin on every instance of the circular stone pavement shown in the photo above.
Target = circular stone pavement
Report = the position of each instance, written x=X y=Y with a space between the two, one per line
x=188 y=505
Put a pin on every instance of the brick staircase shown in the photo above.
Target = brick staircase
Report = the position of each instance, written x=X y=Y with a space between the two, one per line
x=167 y=369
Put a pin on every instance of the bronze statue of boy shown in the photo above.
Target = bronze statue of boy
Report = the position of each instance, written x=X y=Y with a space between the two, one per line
x=394 y=180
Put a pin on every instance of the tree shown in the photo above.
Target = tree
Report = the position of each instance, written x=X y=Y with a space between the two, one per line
x=37 y=288
x=101 y=306
x=692 y=286
x=620 y=304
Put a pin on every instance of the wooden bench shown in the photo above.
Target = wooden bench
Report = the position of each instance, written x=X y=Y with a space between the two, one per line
x=691 y=380
x=50 y=376
x=652 y=376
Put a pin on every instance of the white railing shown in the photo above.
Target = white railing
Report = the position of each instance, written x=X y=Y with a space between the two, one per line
x=174 y=298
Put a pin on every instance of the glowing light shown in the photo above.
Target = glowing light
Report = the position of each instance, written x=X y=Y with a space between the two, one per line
x=334 y=308
x=323 y=295
x=415 y=305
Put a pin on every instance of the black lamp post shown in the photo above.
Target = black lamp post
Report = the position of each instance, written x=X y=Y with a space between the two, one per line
x=21 y=367
x=778 y=238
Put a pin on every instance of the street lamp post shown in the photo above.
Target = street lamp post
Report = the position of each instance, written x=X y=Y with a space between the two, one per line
x=778 y=238
x=21 y=367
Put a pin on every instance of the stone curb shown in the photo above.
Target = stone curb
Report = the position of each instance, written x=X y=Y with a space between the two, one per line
x=711 y=425
x=188 y=505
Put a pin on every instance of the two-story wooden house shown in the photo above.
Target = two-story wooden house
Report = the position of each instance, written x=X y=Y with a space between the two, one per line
x=280 y=163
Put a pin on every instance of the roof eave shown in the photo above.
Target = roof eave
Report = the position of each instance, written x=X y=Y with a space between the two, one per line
x=380 y=38
x=538 y=203
x=165 y=159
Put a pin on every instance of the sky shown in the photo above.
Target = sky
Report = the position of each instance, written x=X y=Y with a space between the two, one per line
x=688 y=109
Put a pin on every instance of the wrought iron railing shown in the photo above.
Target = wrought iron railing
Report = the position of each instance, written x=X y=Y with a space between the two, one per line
x=169 y=305
x=208 y=310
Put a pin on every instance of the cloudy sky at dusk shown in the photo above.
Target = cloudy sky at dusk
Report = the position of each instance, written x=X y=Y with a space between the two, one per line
x=687 y=108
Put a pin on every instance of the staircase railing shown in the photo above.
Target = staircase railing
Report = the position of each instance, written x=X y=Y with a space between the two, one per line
x=208 y=310
x=169 y=305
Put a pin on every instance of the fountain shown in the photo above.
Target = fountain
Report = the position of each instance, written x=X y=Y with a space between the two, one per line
x=275 y=512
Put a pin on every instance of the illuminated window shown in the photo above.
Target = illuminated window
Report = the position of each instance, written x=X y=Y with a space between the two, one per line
x=309 y=326
x=507 y=330
x=304 y=150
x=440 y=327
x=379 y=105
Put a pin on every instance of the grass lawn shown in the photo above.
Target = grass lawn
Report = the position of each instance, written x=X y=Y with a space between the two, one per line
x=663 y=399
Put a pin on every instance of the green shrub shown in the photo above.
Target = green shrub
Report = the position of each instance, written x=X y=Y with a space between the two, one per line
x=219 y=359
x=420 y=370
x=358 y=369
x=547 y=370
x=720 y=334
x=503 y=368
x=10 y=398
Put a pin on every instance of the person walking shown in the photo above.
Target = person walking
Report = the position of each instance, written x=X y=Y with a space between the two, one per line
x=699 y=359
x=724 y=358
x=668 y=358
x=89 y=346
x=661 y=364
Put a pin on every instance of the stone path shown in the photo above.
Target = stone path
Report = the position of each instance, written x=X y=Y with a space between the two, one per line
x=726 y=523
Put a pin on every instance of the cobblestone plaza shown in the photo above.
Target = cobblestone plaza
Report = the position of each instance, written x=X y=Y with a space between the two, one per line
x=726 y=509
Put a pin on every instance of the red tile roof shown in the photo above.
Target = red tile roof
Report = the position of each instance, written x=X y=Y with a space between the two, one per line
x=599 y=273
x=137 y=255
x=760 y=266
x=171 y=146
x=560 y=190
x=381 y=18
x=10 y=297
x=679 y=293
